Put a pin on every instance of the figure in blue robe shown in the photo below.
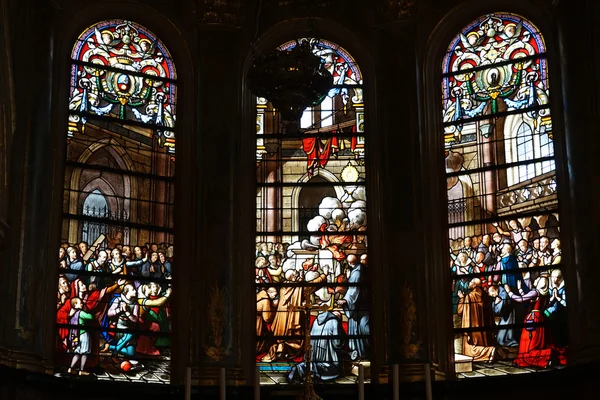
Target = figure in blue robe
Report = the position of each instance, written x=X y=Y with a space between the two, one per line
x=326 y=348
x=355 y=308
x=504 y=308
x=510 y=267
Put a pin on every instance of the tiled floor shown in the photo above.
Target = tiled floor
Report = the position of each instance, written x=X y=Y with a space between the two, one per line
x=280 y=377
x=500 y=368
x=147 y=371
x=274 y=378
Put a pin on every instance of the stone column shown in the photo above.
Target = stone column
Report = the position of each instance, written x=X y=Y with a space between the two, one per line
x=218 y=280
x=6 y=116
x=578 y=188
x=408 y=275
x=6 y=134
x=160 y=190
x=26 y=272
x=272 y=214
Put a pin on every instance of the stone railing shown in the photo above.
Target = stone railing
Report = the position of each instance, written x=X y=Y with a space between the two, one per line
x=528 y=195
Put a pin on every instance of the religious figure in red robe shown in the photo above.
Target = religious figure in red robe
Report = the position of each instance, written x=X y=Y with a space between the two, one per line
x=92 y=303
x=535 y=347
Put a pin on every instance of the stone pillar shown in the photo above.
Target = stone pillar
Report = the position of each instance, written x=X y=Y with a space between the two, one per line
x=489 y=177
x=160 y=189
x=26 y=272
x=217 y=289
x=272 y=214
x=6 y=116
x=6 y=135
x=408 y=274
x=580 y=60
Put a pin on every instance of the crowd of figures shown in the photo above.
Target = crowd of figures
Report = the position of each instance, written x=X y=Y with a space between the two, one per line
x=113 y=304
x=292 y=275
x=509 y=295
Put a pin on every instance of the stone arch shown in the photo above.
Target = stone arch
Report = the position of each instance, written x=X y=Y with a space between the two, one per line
x=130 y=184
x=322 y=172
x=98 y=183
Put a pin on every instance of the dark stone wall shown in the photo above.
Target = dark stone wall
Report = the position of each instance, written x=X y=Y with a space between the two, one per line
x=215 y=223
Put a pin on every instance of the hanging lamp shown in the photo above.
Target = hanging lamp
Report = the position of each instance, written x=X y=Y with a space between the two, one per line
x=292 y=79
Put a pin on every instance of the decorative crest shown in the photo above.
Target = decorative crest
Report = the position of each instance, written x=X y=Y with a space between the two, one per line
x=122 y=71
x=495 y=64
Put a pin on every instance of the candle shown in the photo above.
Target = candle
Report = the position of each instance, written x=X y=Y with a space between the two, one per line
x=188 y=383
x=428 y=392
x=257 y=384
x=361 y=382
x=396 y=378
x=222 y=381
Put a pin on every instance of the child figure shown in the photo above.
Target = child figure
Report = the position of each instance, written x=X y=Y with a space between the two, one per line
x=79 y=339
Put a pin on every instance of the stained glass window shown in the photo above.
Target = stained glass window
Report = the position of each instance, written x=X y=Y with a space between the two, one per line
x=311 y=232
x=115 y=260
x=508 y=293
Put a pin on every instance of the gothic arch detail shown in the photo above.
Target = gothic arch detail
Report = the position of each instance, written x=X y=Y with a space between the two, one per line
x=327 y=175
x=122 y=202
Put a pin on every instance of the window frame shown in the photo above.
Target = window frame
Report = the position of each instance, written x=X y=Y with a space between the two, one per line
x=434 y=195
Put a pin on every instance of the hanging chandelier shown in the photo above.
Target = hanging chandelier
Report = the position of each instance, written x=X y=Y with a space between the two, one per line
x=292 y=80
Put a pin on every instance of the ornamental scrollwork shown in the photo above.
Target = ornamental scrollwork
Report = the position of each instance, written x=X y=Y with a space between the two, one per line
x=124 y=73
x=495 y=65
x=410 y=345
x=217 y=307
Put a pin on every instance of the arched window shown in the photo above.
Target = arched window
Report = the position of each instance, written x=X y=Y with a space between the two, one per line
x=114 y=267
x=525 y=152
x=94 y=206
x=311 y=242
x=508 y=294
